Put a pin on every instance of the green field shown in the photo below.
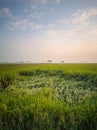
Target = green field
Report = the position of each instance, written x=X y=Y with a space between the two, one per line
x=48 y=96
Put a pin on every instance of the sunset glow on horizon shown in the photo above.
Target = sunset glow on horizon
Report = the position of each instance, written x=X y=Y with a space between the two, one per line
x=41 y=30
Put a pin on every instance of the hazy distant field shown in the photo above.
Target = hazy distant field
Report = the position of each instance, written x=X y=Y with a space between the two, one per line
x=48 y=96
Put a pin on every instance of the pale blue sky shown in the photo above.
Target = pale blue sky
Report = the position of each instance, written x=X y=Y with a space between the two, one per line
x=38 y=30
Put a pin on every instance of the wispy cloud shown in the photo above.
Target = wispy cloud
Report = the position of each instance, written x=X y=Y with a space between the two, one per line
x=25 y=10
x=82 y=16
x=40 y=1
x=35 y=15
x=35 y=1
x=24 y=24
x=20 y=24
x=50 y=26
x=75 y=27
x=5 y=12
x=35 y=26
x=79 y=27
x=46 y=1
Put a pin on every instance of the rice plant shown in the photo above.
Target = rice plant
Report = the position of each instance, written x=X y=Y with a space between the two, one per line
x=48 y=97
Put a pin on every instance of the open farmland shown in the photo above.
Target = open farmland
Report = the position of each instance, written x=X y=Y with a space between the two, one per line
x=48 y=96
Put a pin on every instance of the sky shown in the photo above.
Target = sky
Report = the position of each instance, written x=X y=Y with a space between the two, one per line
x=42 y=30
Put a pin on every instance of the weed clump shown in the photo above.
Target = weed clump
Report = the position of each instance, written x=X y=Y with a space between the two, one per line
x=5 y=81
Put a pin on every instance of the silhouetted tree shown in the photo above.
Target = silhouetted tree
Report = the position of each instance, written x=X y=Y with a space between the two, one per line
x=62 y=61
x=49 y=61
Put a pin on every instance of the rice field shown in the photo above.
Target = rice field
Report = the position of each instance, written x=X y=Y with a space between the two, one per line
x=48 y=96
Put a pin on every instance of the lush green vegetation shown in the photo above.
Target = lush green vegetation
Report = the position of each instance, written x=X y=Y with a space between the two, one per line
x=48 y=97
